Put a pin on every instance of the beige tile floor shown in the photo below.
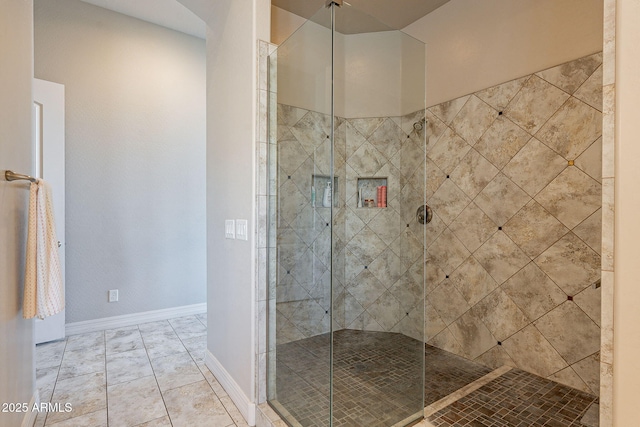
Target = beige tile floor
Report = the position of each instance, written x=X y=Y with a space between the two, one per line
x=148 y=375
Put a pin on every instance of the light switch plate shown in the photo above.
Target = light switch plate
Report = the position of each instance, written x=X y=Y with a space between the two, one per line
x=229 y=229
x=242 y=229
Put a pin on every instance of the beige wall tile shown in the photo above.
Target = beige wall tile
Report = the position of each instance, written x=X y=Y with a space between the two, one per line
x=499 y=96
x=544 y=361
x=495 y=358
x=535 y=104
x=569 y=377
x=473 y=227
x=386 y=310
x=533 y=229
x=473 y=120
x=472 y=334
x=500 y=314
x=589 y=301
x=536 y=300
x=571 y=197
x=571 y=264
x=589 y=370
x=387 y=138
x=448 y=151
x=502 y=141
x=447 y=252
x=501 y=199
x=448 y=201
x=448 y=302
x=501 y=257
x=473 y=173
x=447 y=111
x=473 y=281
x=571 y=332
x=570 y=76
x=573 y=128
x=534 y=167
x=591 y=90
x=590 y=161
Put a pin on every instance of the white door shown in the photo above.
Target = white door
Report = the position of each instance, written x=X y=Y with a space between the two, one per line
x=48 y=99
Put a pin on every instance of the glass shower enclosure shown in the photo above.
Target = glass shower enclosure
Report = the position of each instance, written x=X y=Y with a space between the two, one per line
x=346 y=258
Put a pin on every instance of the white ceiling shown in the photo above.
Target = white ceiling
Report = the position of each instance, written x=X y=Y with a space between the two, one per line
x=168 y=13
x=359 y=17
x=365 y=16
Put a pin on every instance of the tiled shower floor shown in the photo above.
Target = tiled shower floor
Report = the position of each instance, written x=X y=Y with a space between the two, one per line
x=518 y=398
x=377 y=378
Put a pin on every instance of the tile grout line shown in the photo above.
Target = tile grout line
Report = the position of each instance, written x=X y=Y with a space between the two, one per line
x=464 y=391
x=55 y=384
x=154 y=372
x=106 y=380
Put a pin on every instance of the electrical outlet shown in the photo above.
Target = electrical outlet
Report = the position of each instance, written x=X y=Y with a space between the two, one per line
x=113 y=295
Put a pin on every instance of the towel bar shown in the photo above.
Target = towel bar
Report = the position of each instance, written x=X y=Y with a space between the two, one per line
x=11 y=176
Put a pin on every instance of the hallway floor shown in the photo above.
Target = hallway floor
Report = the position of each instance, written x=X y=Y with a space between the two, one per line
x=152 y=374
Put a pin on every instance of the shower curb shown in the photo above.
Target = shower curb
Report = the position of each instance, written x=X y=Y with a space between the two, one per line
x=464 y=391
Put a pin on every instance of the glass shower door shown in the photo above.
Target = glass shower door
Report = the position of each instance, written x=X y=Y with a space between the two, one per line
x=378 y=349
x=347 y=171
x=304 y=191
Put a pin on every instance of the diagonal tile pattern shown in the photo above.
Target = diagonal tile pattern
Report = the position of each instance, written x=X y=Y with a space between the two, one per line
x=132 y=388
x=530 y=227
x=376 y=247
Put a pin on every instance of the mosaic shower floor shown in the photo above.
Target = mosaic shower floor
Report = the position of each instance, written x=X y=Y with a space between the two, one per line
x=518 y=398
x=377 y=379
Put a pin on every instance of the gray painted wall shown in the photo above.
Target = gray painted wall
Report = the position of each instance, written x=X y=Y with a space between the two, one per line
x=230 y=190
x=135 y=165
x=234 y=26
x=17 y=373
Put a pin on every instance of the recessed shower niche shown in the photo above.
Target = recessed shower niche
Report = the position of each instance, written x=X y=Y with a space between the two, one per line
x=346 y=312
x=372 y=192
x=324 y=194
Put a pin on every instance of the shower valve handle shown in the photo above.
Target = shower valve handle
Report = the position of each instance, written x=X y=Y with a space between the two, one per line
x=424 y=214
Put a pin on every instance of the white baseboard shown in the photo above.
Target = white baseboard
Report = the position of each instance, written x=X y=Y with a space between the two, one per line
x=246 y=407
x=30 y=416
x=133 y=319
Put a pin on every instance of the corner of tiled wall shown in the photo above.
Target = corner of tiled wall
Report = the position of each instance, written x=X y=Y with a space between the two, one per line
x=608 y=181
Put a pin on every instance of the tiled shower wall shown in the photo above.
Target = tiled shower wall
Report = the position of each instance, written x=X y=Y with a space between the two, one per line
x=513 y=251
x=377 y=252
x=303 y=231
x=383 y=257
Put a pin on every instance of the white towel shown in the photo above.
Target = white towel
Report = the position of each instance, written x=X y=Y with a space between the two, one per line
x=43 y=288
